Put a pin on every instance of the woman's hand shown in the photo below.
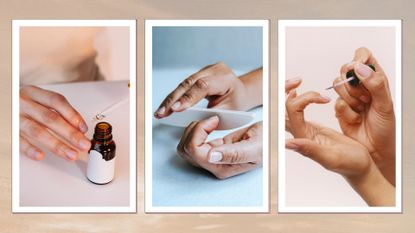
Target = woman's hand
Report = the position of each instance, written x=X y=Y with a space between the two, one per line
x=47 y=120
x=365 y=112
x=332 y=150
x=234 y=154
x=336 y=152
x=222 y=88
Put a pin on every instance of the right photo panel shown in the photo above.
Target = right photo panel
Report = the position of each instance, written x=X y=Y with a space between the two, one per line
x=339 y=116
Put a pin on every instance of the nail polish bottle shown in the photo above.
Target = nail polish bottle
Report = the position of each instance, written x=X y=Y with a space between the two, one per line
x=354 y=82
x=101 y=156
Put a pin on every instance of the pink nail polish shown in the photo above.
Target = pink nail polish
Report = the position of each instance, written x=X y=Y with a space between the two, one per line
x=291 y=146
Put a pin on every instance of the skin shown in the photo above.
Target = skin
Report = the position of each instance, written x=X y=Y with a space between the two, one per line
x=335 y=151
x=47 y=120
x=365 y=113
x=241 y=150
x=219 y=85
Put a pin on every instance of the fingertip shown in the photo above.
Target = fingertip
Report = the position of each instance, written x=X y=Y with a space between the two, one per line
x=291 y=145
x=83 y=127
x=35 y=154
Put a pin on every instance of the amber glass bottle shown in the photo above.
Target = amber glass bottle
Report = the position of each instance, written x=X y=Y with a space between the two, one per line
x=101 y=156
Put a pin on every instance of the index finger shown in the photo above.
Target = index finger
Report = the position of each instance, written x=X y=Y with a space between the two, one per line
x=295 y=109
x=57 y=102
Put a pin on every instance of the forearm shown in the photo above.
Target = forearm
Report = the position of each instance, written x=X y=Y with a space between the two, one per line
x=374 y=188
x=253 y=87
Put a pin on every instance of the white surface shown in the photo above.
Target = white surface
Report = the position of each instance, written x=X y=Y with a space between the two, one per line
x=56 y=182
x=228 y=119
x=99 y=170
x=316 y=55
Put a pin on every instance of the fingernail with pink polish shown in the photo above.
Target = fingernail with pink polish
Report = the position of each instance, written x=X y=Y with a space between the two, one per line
x=291 y=146
x=326 y=97
x=363 y=70
x=84 y=144
x=293 y=80
x=33 y=153
x=83 y=127
x=71 y=154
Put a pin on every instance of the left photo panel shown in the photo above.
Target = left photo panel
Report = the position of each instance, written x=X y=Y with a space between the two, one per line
x=74 y=116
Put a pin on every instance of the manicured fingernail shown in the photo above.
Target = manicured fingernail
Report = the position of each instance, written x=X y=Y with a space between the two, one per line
x=293 y=80
x=213 y=118
x=84 y=144
x=161 y=111
x=71 y=154
x=83 y=127
x=215 y=157
x=326 y=97
x=176 y=105
x=291 y=146
x=364 y=98
x=363 y=70
x=33 y=153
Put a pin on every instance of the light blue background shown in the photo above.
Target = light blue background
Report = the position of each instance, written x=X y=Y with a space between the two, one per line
x=177 y=53
x=195 y=47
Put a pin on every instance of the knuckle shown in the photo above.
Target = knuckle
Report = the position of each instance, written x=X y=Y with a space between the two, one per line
x=34 y=130
x=57 y=99
x=202 y=84
x=187 y=97
x=75 y=136
x=58 y=148
x=169 y=99
x=26 y=89
x=188 y=82
x=50 y=116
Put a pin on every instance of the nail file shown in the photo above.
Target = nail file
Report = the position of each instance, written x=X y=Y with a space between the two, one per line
x=228 y=119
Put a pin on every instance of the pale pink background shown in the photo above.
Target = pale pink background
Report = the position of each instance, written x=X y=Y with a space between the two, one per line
x=316 y=55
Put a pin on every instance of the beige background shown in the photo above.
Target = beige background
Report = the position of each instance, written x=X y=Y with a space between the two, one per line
x=316 y=55
x=208 y=9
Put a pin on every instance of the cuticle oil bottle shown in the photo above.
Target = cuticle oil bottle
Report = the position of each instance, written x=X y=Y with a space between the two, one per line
x=101 y=156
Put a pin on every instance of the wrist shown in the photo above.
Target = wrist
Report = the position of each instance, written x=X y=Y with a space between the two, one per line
x=252 y=82
x=373 y=187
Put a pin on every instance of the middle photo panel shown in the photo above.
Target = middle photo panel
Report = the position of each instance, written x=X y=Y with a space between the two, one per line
x=206 y=116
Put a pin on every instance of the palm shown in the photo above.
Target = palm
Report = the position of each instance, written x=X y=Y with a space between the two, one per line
x=374 y=131
x=344 y=155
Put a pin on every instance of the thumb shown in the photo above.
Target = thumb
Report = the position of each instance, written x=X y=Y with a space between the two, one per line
x=236 y=153
x=377 y=84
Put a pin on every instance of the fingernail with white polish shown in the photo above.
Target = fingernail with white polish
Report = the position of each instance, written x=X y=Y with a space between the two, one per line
x=363 y=70
x=161 y=111
x=176 y=105
x=83 y=127
x=71 y=154
x=215 y=157
x=293 y=80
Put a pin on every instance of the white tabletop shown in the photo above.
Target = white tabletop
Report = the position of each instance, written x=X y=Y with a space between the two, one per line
x=57 y=182
x=175 y=182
